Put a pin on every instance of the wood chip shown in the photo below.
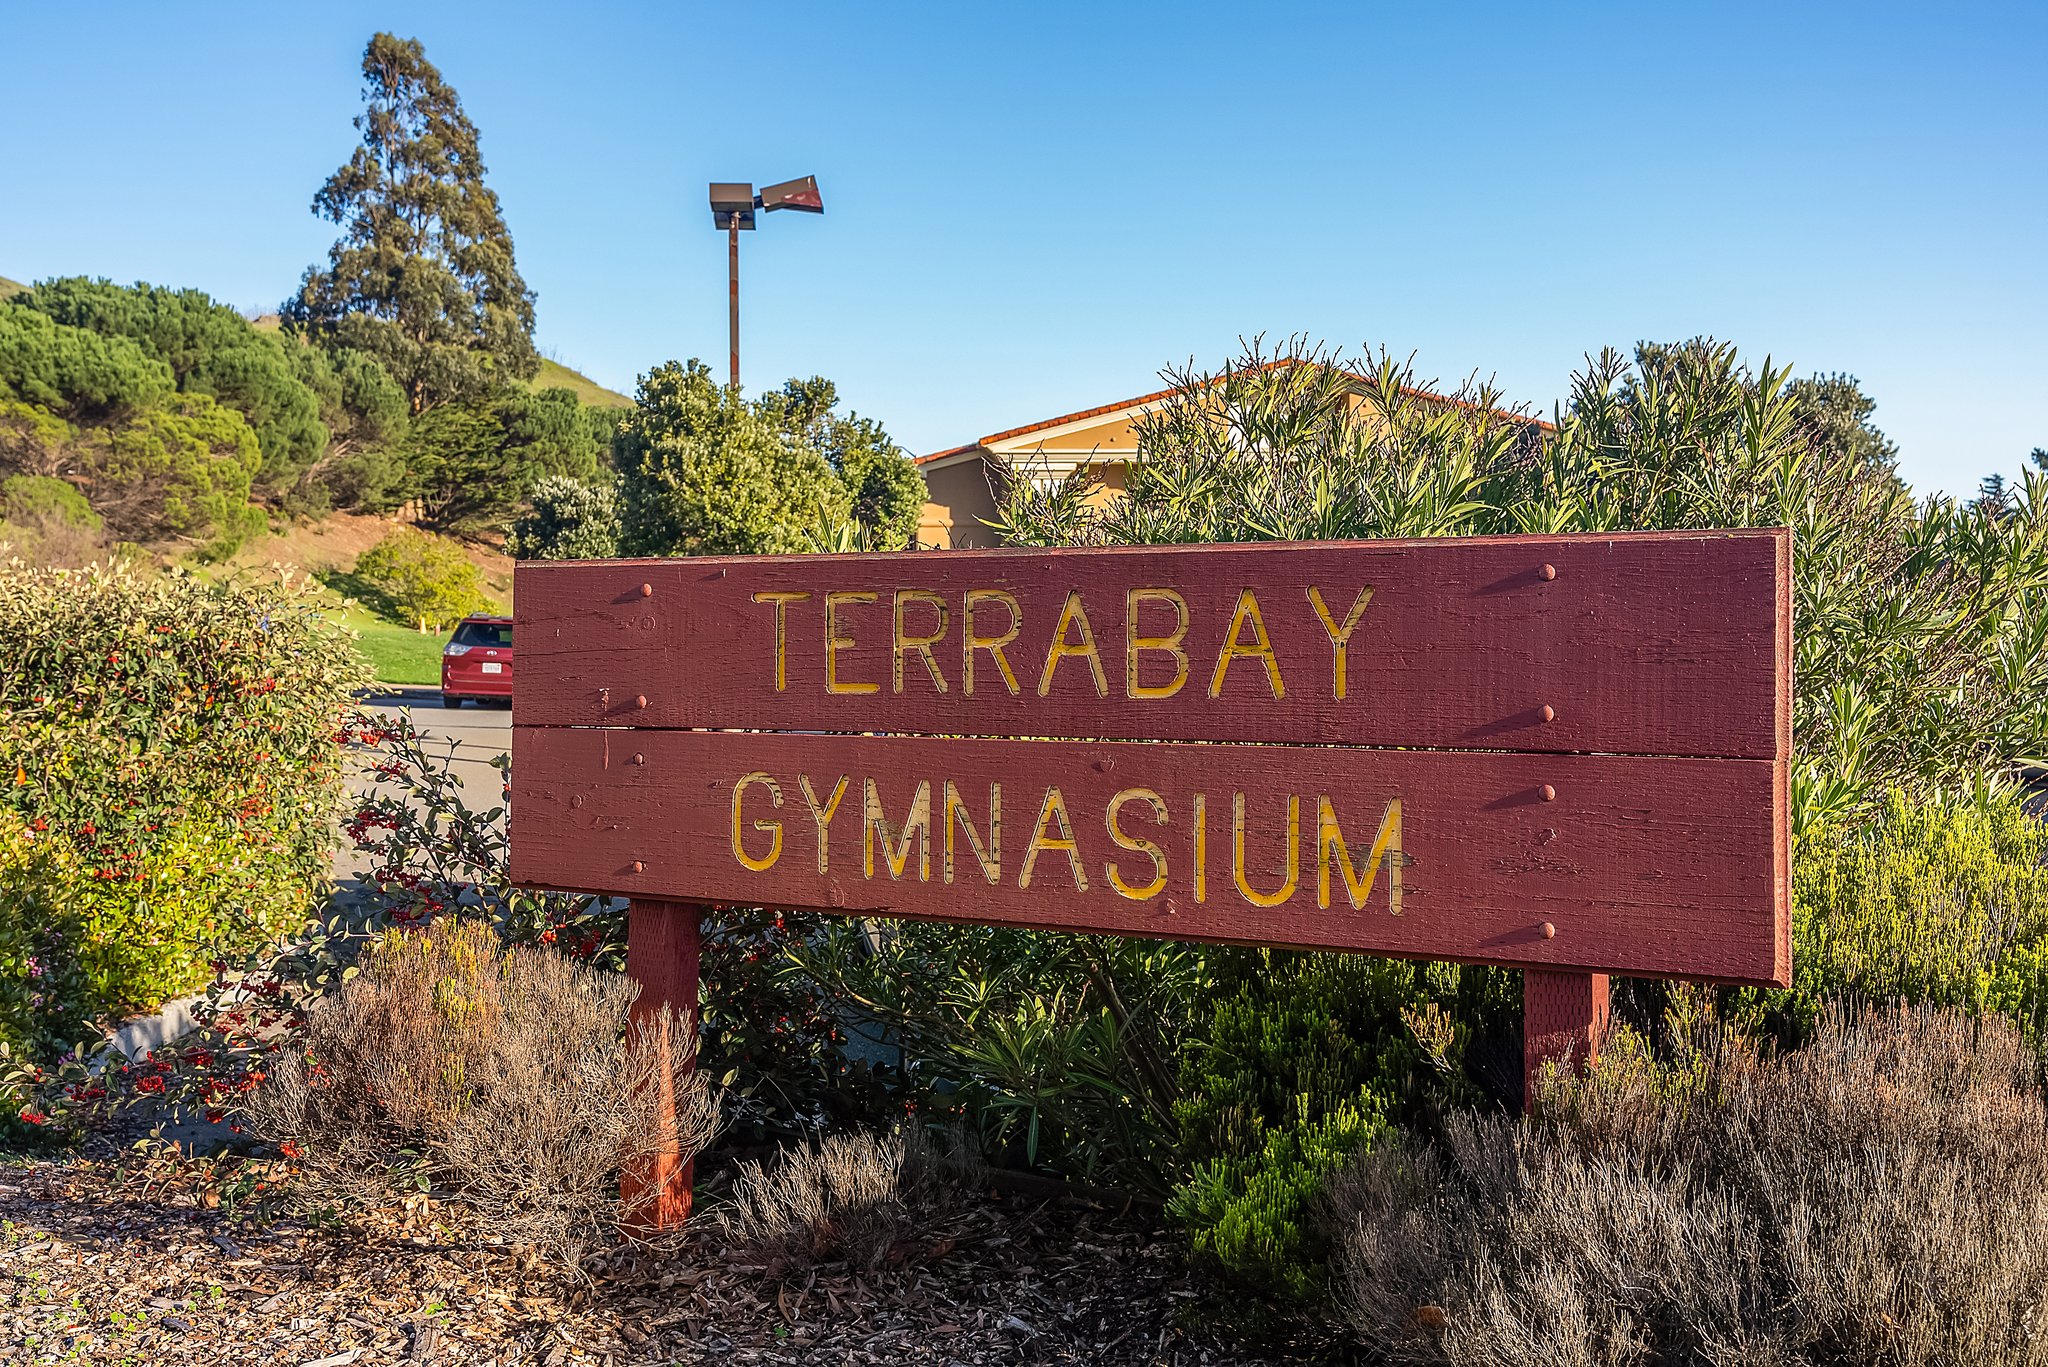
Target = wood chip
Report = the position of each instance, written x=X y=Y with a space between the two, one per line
x=338 y=1360
x=1066 y=1283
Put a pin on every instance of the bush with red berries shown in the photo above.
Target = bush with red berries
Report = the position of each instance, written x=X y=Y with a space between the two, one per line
x=170 y=769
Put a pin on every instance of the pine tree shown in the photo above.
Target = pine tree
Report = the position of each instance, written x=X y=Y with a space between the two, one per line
x=1991 y=495
x=422 y=277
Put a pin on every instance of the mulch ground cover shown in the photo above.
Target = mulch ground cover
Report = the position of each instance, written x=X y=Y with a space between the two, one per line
x=129 y=1263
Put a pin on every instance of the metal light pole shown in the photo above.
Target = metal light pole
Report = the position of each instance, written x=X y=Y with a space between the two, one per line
x=732 y=208
x=732 y=292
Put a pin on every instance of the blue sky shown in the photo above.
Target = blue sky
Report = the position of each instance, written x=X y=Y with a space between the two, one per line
x=1032 y=208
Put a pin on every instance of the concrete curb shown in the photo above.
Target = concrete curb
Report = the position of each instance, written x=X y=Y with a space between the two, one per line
x=407 y=692
x=141 y=1034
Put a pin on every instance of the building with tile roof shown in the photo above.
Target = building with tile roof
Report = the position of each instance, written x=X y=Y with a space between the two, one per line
x=963 y=480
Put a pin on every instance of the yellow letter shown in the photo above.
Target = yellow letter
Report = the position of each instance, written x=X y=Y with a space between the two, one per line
x=1260 y=899
x=991 y=857
x=919 y=645
x=782 y=600
x=1133 y=643
x=1330 y=840
x=1261 y=647
x=739 y=792
x=834 y=642
x=971 y=642
x=1137 y=843
x=898 y=852
x=1054 y=806
x=1201 y=847
x=821 y=817
x=1340 y=637
x=1059 y=650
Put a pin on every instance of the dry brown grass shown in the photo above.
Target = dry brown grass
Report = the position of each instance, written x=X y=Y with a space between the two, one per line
x=858 y=1197
x=1878 y=1197
x=515 y=1080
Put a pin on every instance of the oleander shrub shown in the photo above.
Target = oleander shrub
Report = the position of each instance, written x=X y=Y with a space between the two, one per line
x=1880 y=1196
x=1922 y=669
x=515 y=1079
x=173 y=768
x=1054 y=1051
x=1922 y=654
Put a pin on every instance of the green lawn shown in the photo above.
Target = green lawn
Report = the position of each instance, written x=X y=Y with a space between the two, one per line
x=399 y=654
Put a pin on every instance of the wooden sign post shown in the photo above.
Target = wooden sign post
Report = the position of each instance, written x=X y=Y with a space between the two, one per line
x=1563 y=754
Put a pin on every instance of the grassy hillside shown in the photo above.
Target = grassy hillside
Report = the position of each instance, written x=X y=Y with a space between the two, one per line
x=9 y=288
x=555 y=375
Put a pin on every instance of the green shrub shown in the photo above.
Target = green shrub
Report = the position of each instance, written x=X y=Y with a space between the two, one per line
x=702 y=471
x=172 y=765
x=1938 y=902
x=470 y=466
x=46 y=998
x=1307 y=1059
x=372 y=479
x=157 y=465
x=1256 y=1215
x=1051 y=1048
x=885 y=492
x=37 y=498
x=179 y=473
x=888 y=495
x=73 y=372
x=422 y=579
x=47 y=521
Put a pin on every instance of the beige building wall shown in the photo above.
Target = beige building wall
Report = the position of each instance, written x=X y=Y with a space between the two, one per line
x=960 y=501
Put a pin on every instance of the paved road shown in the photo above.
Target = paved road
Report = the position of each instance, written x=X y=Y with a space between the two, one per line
x=469 y=736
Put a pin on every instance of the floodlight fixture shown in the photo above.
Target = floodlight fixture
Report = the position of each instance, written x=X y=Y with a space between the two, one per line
x=792 y=194
x=733 y=206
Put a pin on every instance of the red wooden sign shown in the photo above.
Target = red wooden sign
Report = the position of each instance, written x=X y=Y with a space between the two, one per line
x=1652 y=867
x=1641 y=643
x=1565 y=754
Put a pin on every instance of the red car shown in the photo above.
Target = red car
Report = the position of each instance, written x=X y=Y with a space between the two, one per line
x=477 y=661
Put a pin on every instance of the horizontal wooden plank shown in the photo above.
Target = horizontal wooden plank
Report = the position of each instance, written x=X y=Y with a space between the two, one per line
x=1647 y=866
x=1671 y=643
